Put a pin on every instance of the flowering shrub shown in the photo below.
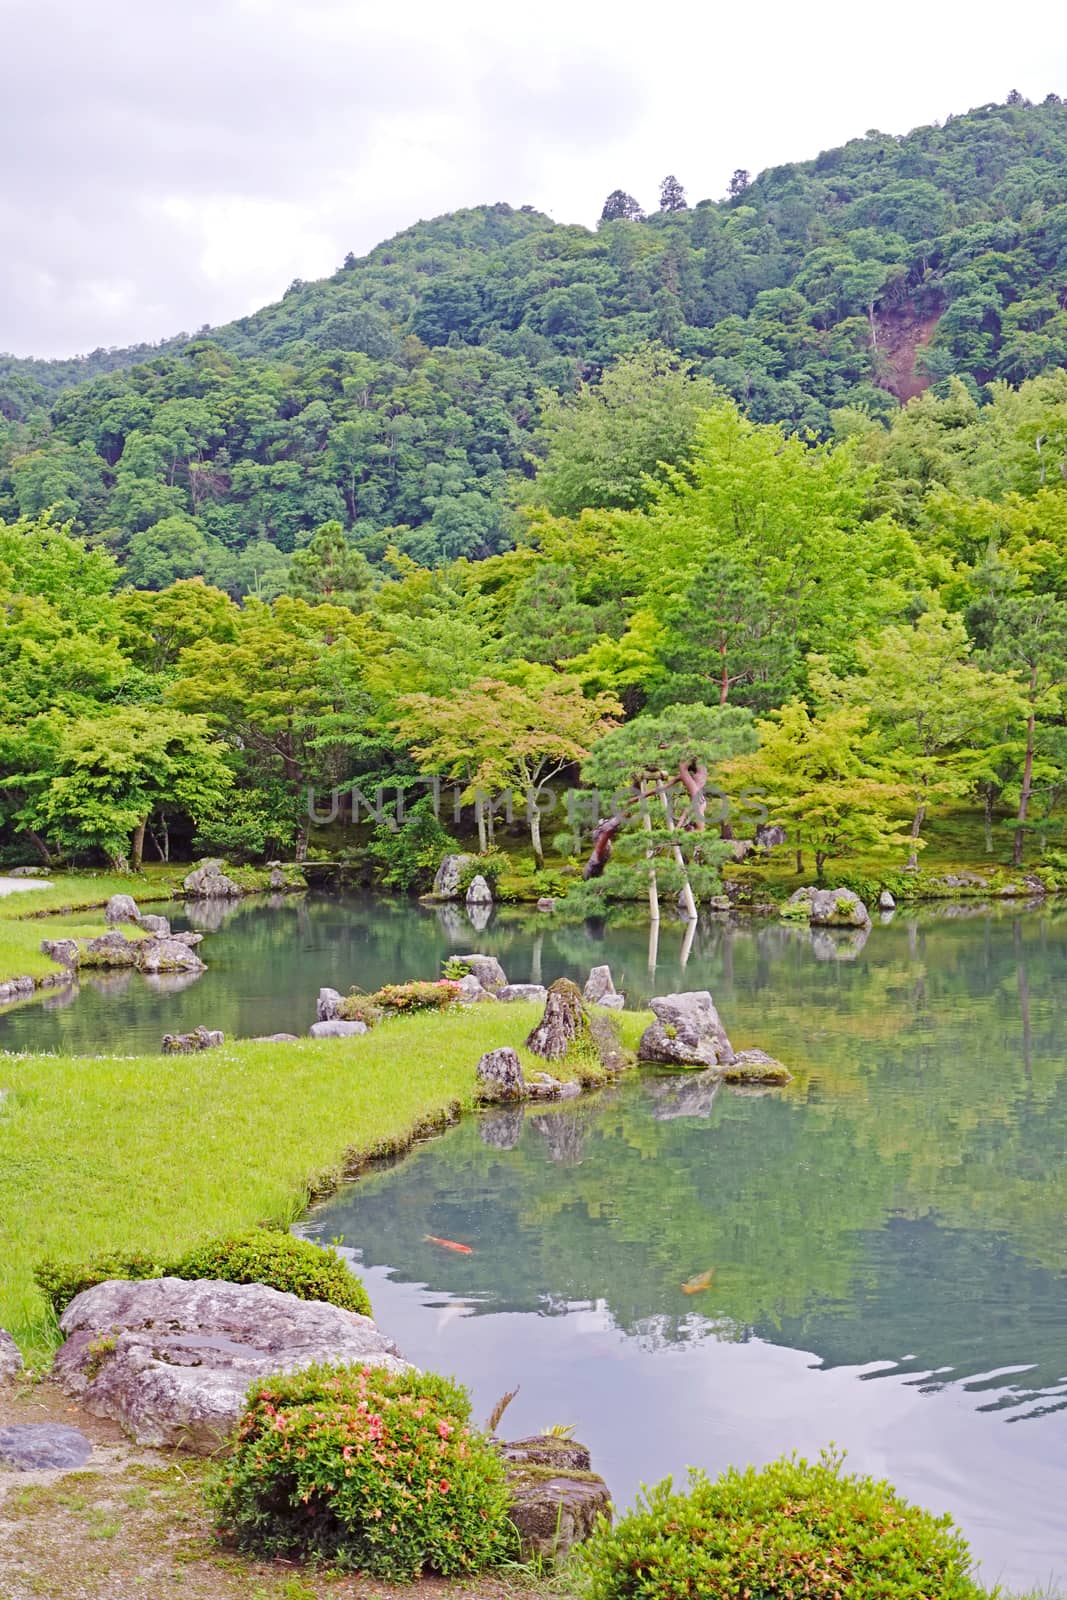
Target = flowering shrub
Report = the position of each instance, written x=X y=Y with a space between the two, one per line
x=399 y=999
x=369 y=1470
x=792 y=1529
x=281 y=1261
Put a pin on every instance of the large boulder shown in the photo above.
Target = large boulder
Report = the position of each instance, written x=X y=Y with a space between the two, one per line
x=487 y=969
x=600 y=989
x=171 y=1360
x=111 y=950
x=769 y=835
x=563 y=1023
x=209 y=882
x=337 y=1028
x=168 y=955
x=446 y=882
x=122 y=908
x=156 y=925
x=687 y=1032
x=10 y=1357
x=479 y=892
x=832 y=908
x=500 y=1076
x=469 y=991
x=555 y=1505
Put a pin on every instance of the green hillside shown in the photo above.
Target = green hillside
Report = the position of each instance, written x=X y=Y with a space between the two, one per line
x=402 y=396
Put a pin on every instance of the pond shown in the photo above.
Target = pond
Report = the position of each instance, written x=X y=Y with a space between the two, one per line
x=885 y=1243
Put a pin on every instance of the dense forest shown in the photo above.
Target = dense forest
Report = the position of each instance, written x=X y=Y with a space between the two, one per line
x=454 y=525
x=411 y=396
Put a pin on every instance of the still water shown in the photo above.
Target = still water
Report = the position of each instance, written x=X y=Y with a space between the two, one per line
x=887 y=1239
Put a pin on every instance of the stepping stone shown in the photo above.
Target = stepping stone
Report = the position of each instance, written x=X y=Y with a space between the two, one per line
x=33 y=1446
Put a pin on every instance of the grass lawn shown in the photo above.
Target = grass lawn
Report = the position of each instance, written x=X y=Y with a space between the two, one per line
x=21 y=927
x=156 y=1152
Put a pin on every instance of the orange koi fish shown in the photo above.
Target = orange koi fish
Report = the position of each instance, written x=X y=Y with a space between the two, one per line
x=701 y=1281
x=449 y=1244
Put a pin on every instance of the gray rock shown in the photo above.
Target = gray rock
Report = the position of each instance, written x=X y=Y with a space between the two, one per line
x=26 y=872
x=111 y=950
x=122 y=908
x=185 y=1353
x=276 y=880
x=546 y=903
x=500 y=1076
x=168 y=955
x=569 y=1091
x=470 y=992
x=720 y=902
x=479 y=892
x=553 y=1514
x=522 y=991
x=756 y=1066
x=10 y=1357
x=687 y=1032
x=598 y=984
x=502 y=1130
x=487 y=969
x=43 y=1446
x=209 y=882
x=65 y=951
x=886 y=901
x=16 y=989
x=479 y=915
x=547 y=1450
x=741 y=849
x=563 y=1022
x=328 y=1006
x=839 y=944
x=157 y=925
x=446 y=880
x=188 y=938
x=337 y=1028
x=769 y=835
x=186 y=1044
x=542 y=1086
x=564 y=1135
x=275 y=1038
x=832 y=908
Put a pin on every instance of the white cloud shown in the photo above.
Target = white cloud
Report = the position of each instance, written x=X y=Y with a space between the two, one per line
x=171 y=164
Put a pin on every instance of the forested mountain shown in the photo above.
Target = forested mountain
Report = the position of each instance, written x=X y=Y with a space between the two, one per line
x=404 y=396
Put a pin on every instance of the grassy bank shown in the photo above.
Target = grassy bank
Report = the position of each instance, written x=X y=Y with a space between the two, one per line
x=155 y=1152
x=21 y=930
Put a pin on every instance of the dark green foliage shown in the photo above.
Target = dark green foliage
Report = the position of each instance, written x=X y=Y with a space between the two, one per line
x=366 y=1470
x=398 y=397
x=793 y=1528
x=490 y=865
x=407 y=856
x=400 y=999
x=60 y=1281
x=258 y=1255
x=281 y=1261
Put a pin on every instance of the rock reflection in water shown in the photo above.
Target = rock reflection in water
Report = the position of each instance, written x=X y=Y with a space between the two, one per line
x=688 y=1096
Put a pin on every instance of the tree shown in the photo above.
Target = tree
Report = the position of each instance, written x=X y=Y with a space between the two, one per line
x=109 y=773
x=1030 y=640
x=501 y=736
x=658 y=766
x=936 y=712
x=726 y=638
x=330 y=569
x=620 y=206
x=740 y=181
x=671 y=194
x=823 y=779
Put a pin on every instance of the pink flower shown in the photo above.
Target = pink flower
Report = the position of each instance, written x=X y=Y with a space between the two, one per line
x=444 y=1429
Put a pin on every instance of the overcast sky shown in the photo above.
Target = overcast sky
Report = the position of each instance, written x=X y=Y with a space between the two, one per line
x=169 y=163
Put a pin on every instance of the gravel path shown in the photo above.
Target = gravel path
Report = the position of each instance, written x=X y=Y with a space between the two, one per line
x=21 y=885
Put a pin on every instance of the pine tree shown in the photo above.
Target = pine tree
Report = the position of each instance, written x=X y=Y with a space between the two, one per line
x=620 y=206
x=739 y=183
x=671 y=194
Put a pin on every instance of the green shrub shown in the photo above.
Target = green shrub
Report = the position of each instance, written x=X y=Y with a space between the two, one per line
x=399 y=999
x=368 y=1470
x=406 y=857
x=60 y=1281
x=492 y=865
x=791 y=1529
x=279 y=1260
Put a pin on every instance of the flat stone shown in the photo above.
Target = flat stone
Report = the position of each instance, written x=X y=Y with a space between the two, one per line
x=756 y=1066
x=111 y=950
x=275 y=1038
x=548 y=1450
x=522 y=991
x=172 y=1361
x=546 y=903
x=168 y=955
x=337 y=1028
x=43 y=1446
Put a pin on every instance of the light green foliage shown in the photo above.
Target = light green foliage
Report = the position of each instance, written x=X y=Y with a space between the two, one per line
x=793 y=1527
x=281 y=1261
x=367 y=1470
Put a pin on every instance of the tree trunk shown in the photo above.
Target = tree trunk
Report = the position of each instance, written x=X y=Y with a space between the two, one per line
x=479 y=813
x=820 y=862
x=688 y=900
x=800 y=862
x=39 y=845
x=535 y=838
x=916 y=828
x=988 y=799
x=1028 y=777
x=137 y=845
x=653 y=891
